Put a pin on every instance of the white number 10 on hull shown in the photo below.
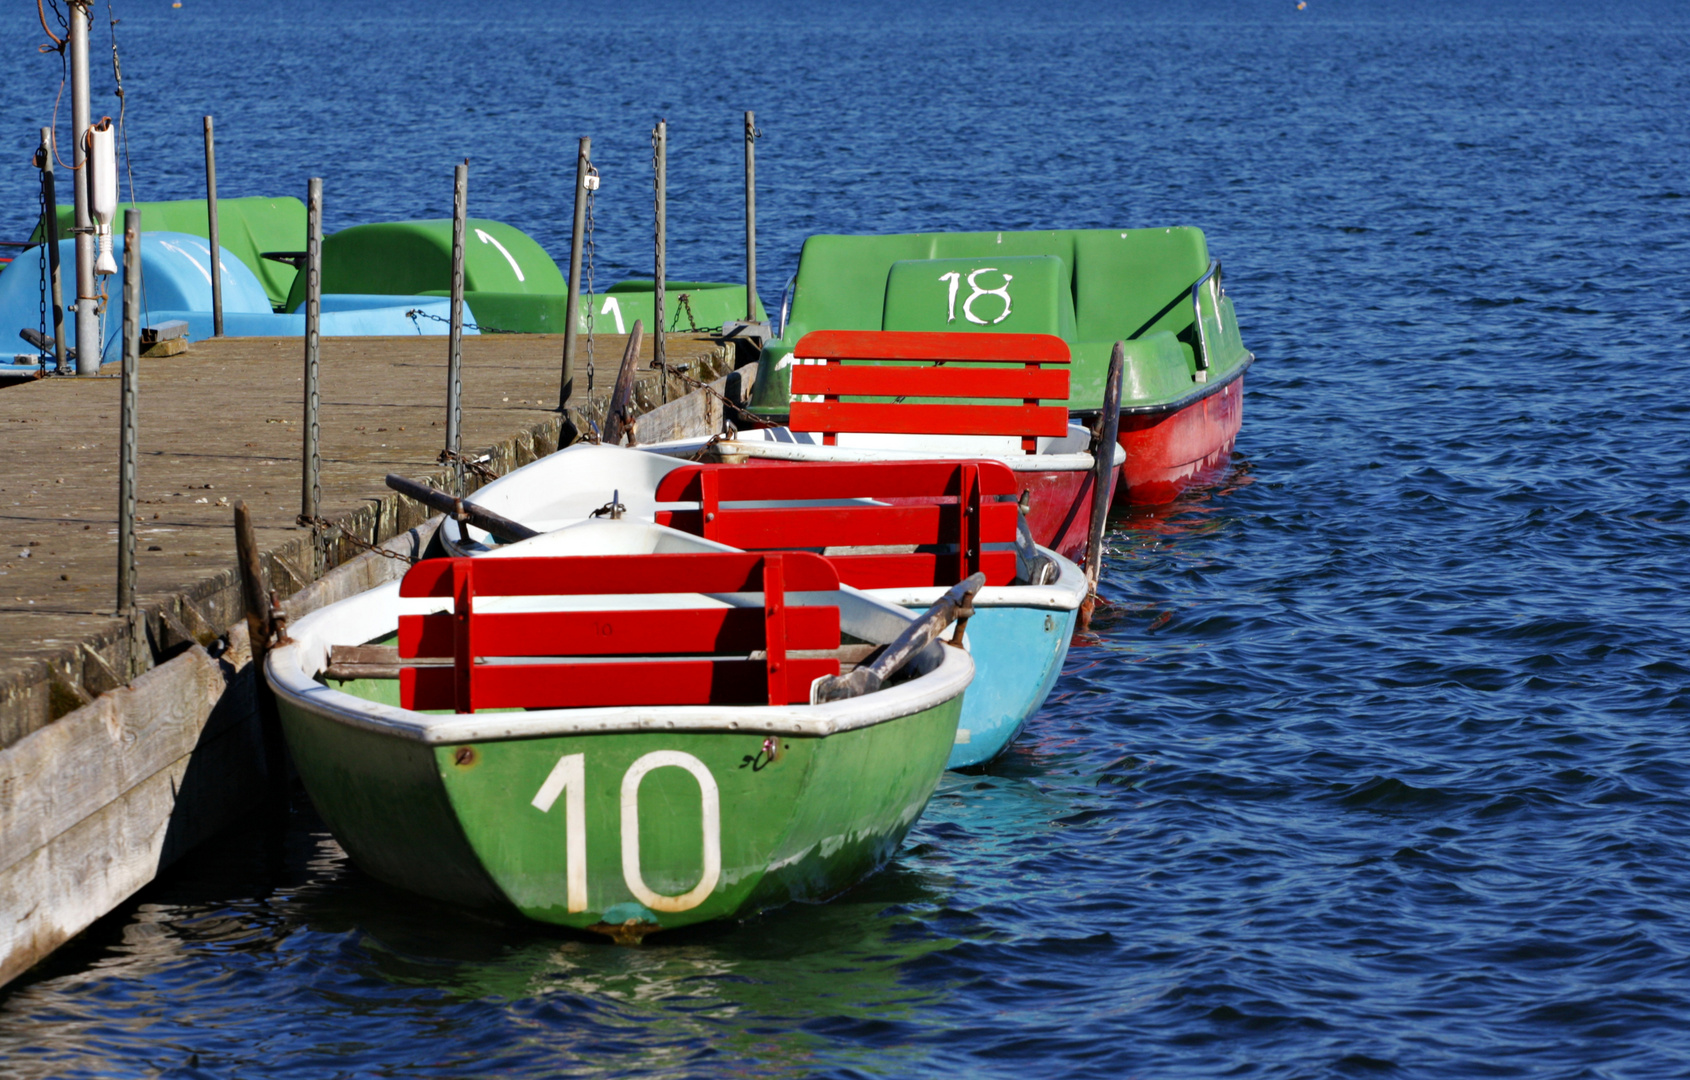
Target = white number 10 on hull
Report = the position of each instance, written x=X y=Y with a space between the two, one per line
x=569 y=779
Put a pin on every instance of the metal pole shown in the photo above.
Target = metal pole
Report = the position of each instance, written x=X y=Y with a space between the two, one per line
x=50 y=235
x=211 y=229
x=126 y=568
x=750 y=216
x=583 y=162
x=455 y=351
x=659 y=161
x=88 y=343
x=311 y=487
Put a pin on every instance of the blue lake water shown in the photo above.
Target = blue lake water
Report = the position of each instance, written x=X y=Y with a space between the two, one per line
x=1378 y=765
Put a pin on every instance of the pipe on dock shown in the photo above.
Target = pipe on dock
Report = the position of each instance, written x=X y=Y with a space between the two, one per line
x=211 y=230
x=88 y=343
x=50 y=236
x=126 y=567
x=660 y=168
x=310 y=486
x=455 y=350
x=583 y=163
x=751 y=134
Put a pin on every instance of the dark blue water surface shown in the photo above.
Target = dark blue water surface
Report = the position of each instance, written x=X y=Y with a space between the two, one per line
x=1379 y=766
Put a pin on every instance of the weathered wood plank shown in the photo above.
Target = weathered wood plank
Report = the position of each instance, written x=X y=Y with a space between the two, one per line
x=223 y=424
x=698 y=412
x=57 y=776
x=57 y=891
x=93 y=805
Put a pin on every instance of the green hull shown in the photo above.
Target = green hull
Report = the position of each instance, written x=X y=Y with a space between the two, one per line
x=463 y=822
x=707 y=307
x=1090 y=287
x=414 y=258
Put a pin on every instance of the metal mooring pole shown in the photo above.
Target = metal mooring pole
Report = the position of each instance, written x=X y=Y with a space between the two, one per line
x=211 y=230
x=126 y=568
x=88 y=343
x=750 y=216
x=50 y=235
x=455 y=350
x=310 y=486
x=659 y=163
x=583 y=162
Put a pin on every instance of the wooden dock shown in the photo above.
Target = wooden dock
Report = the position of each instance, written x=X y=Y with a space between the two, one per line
x=110 y=764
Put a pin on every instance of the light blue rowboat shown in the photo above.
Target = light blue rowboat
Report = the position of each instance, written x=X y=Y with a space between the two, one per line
x=1019 y=635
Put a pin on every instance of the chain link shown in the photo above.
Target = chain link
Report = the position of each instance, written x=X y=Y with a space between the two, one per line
x=418 y=313
x=474 y=465
x=45 y=233
x=683 y=302
x=322 y=525
x=591 y=192
x=681 y=374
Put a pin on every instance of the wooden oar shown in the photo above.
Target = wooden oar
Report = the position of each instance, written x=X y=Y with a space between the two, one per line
x=618 y=421
x=1101 y=488
x=502 y=528
x=261 y=633
x=957 y=605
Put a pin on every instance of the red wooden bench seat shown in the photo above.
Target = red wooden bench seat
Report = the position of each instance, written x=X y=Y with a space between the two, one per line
x=959 y=516
x=640 y=657
x=929 y=369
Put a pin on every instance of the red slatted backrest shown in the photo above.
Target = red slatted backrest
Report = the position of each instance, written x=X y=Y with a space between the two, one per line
x=619 y=644
x=950 y=511
x=928 y=371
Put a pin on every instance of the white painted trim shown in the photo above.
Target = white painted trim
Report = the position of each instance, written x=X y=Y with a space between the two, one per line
x=1066 y=593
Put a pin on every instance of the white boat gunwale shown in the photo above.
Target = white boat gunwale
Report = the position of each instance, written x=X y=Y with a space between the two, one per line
x=292 y=670
x=783 y=444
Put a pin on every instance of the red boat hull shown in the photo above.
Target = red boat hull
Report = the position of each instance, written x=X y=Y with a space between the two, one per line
x=1059 y=512
x=1169 y=452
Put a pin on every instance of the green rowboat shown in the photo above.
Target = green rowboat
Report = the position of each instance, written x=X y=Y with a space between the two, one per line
x=623 y=819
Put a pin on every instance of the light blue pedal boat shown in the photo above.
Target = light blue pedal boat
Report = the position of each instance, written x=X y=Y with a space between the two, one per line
x=1024 y=619
x=176 y=284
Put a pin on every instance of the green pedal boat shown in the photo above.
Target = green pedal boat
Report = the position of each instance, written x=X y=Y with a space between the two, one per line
x=621 y=728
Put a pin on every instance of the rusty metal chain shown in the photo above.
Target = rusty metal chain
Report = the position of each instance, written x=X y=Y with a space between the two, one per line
x=321 y=525
x=418 y=313
x=592 y=190
x=683 y=302
x=681 y=374
x=474 y=465
x=41 y=161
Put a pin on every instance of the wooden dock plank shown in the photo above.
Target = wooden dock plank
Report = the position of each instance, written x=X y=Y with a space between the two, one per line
x=221 y=423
